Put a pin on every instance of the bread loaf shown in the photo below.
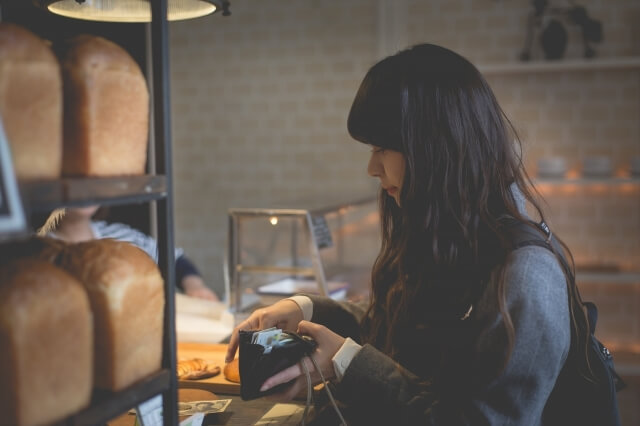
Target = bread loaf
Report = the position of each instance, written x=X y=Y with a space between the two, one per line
x=30 y=102
x=106 y=109
x=232 y=370
x=126 y=293
x=46 y=355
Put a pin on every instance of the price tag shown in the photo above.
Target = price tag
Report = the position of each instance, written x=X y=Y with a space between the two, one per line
x=149 y=413
x=12 y=218
x=321 y=232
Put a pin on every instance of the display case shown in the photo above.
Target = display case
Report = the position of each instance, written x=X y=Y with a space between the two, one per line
x=321 y=247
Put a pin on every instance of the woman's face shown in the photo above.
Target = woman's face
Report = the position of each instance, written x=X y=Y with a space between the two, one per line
x=388 y=166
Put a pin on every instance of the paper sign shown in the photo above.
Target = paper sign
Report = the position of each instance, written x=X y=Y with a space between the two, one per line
x=321 y=232
x=12 y=218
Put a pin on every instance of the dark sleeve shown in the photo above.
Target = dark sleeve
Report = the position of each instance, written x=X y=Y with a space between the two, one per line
x=340 y=317
x=184 y=267
x=376 y=388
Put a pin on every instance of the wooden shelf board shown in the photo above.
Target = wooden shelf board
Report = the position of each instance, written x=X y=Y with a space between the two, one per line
x=608 y=277
x=108 y=405
x=628 y=62
x=47 y=195
x=585 y=181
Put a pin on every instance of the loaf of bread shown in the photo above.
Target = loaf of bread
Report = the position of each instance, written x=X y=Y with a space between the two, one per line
x=126 y=293
x=106 y=109
x=232 y=371
x=46 y=341
x=31 y=102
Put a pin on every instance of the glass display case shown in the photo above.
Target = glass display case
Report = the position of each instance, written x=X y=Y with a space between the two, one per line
x=316 y=247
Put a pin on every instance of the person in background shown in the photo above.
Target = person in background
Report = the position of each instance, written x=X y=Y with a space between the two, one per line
x=76 y=225
x=460 y=328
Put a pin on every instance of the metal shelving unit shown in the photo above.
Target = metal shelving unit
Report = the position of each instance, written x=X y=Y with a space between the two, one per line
x=163 y=164
x=106 y=405
x=44 y=196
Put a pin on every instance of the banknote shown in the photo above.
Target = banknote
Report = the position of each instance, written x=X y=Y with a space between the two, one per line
x=205 y=407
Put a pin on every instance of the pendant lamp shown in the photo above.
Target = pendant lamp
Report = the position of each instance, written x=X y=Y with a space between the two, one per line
x=131 y=10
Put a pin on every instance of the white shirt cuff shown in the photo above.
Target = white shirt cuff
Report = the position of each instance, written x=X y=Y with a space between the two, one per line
x=344 y=356
x=305 y=304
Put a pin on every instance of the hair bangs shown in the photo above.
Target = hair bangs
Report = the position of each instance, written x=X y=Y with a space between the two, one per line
x=375 y=116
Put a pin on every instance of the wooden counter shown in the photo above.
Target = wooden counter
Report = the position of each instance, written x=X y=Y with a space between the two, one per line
x=213 y=353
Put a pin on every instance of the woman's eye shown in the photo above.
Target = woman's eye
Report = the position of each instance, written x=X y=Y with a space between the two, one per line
x=377 y=149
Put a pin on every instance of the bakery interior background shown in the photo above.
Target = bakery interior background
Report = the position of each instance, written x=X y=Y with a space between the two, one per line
x=260 y=101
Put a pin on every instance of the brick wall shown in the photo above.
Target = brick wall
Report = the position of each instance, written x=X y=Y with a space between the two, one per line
x=259 y=105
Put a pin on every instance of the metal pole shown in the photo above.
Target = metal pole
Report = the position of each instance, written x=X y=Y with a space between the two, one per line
x=166 y=260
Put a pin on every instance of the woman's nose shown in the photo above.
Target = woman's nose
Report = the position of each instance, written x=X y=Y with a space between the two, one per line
x=374 y=168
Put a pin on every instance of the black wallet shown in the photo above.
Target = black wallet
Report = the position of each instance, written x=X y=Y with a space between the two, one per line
x=257 y=363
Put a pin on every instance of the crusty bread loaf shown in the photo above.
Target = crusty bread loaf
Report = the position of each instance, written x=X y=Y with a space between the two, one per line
x=46 y=341
x=125 y=289
x=31 y=102
x=106 y=109
x=232 y=371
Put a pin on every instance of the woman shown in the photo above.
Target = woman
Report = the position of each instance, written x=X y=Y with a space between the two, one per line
x=460 y=329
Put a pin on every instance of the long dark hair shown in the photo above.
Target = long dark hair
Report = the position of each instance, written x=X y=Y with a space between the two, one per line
x=441 y=246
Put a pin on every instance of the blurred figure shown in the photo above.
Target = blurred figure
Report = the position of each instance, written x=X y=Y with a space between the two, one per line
x=76 y=225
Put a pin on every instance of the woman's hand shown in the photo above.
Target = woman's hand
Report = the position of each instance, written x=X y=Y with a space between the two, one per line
x=285 y=314
x=328 y=344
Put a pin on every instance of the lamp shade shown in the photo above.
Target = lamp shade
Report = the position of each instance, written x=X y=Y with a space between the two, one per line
x=128 y=10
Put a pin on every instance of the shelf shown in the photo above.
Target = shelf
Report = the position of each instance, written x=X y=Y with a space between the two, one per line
x=627 y=369
x=627 y=363
x=585 y=181
x=630 y=62
x=42 y=196
x=107 y=405
x=608 y=277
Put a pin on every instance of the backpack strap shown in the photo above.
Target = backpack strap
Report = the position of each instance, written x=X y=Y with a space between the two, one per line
x=522 y=234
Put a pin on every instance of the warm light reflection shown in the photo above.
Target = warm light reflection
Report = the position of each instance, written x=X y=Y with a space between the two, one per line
x=598 y=188
x=621 y=172
x=628 y=347
x=628 y=188
x=273 y=220
x=588 y=186
x=340 y=212
x=569 y=189
x=545 y=188
x=573 y=174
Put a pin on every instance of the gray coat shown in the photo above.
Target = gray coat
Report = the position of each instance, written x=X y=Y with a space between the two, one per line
x=377 y=390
